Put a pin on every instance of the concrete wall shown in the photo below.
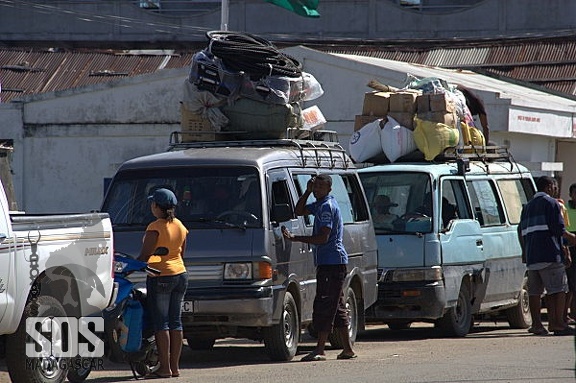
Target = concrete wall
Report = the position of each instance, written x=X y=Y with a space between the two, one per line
x=74 y=140
x=117 y=22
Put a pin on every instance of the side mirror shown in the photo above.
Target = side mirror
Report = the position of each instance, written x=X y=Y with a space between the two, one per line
x=282 y=213
x=161 y=251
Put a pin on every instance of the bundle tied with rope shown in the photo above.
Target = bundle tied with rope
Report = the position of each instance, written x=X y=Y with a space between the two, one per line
x=257 y=88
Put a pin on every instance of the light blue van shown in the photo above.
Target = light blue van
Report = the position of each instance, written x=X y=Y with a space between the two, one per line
x=448 y=247
x=245 y=280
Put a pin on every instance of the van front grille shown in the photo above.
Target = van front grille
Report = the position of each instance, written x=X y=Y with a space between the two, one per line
x=205 y=272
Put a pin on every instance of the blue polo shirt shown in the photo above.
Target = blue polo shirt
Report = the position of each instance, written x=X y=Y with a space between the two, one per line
x=542 y=226
x=327 y=214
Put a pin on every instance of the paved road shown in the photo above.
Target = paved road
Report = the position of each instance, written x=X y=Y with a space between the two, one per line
x=491 y=353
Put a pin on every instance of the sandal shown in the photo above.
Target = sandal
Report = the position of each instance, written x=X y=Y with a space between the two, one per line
x=346 y=356
x=538 y=331
x=566 y=331
x=313 y=357
x=156 y=375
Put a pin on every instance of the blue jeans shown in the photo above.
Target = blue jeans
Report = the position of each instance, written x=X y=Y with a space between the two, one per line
x=164 y=297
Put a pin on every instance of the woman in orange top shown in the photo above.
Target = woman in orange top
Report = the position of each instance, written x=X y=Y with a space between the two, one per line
x=166 y=291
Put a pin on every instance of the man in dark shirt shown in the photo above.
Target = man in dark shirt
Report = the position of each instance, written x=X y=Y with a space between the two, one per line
x=541 y=232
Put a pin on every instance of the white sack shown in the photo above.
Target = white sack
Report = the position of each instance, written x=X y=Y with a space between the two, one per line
x=365 y=143
x=396 y=140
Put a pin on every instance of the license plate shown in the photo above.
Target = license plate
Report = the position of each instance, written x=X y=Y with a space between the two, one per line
x=187 y=307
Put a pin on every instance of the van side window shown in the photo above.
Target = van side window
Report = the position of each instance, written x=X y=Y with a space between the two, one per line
x=359 y=207
x=454 y=202
x=347 y=192
x=487 y=209
x=515 y=196
x=280 y=199
x=301 y=181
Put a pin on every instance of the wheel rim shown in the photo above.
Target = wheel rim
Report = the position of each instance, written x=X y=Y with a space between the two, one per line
x=352 y=315
x=49 y=367
x=461 y=311
x=289 y=325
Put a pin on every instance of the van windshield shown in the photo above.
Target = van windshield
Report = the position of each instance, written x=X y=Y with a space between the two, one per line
x=207 y=197
x=400 y=202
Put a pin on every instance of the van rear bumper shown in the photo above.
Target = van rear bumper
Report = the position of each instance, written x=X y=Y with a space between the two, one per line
x=408 y=301
x=229 y=307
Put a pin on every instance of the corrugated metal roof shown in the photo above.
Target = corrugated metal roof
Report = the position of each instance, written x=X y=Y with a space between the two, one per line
x=25 y=72
x=548 y=63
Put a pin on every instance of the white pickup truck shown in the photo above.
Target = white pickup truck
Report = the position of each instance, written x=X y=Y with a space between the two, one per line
x=50 y=266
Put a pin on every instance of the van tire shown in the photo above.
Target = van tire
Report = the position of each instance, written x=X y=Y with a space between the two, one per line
x=80 y=374
x=352 y=307
x=519 y=315
x=200 y=343
x=281 y=340
x=457 y=321
x=16 y=360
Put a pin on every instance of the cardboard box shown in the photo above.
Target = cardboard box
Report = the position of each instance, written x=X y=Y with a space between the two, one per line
x=313 y=118
x=423 y=103
x=376 y=104
x=192 y=122
x=441 y=103
x=403 y=102
x=405 y=119
x=361 y=120
x=449 y=119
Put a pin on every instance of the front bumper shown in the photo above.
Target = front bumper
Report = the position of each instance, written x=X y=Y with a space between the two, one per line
x=408 y=301
x=245 y=307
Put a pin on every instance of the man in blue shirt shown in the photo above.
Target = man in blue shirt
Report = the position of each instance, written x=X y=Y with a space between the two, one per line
x=330 y=259
x=541 y=232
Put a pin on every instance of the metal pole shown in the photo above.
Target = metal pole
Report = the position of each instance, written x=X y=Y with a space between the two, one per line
x=224 y=16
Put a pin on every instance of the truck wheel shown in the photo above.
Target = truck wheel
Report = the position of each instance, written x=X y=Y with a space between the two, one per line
x=519 y=315
x=79 y=374
x=200 y=343
x=458 y=319
x=281 y=340
x=35 y=370
x=352 y=307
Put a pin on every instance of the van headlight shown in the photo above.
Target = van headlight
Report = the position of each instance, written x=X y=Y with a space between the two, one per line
x=247 y=270
x=238 y=270
x=413 y=275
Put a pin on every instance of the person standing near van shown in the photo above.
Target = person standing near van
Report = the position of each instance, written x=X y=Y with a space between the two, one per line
x=331 y=261
x=571 y=271
x=166 y=291
x=541 y=231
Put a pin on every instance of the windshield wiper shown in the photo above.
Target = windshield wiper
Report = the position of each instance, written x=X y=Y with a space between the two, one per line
x=213 y=221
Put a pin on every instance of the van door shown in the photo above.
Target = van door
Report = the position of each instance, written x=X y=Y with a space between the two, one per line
x=308 y=286
x=501 y=247
x=292 y=258
x=460 y=236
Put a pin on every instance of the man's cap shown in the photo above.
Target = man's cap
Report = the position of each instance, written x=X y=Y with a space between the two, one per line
x=384 y=200
x=164 y=198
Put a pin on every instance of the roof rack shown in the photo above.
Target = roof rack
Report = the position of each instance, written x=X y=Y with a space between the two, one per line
x=322 y=150
x=478 y=153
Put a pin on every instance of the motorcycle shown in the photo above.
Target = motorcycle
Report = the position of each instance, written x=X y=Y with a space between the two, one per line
x=128 y=332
